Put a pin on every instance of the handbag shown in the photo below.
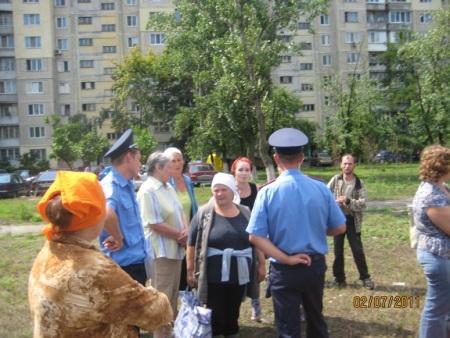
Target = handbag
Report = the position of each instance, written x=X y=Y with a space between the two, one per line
x=193 y=320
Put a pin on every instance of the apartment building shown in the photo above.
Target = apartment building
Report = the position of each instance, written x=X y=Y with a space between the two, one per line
x=57 y=56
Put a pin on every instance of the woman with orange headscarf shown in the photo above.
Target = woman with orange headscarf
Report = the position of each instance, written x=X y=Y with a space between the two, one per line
x=76 y=291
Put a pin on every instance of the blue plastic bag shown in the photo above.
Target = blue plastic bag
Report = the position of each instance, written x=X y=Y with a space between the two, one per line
x=193 y=320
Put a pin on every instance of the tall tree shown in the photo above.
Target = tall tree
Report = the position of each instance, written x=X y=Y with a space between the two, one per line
x=229 y=49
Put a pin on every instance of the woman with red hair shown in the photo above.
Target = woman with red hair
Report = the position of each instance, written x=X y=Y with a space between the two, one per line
x=242 y=169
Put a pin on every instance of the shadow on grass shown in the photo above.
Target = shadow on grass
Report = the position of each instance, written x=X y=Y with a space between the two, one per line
x=342 y=327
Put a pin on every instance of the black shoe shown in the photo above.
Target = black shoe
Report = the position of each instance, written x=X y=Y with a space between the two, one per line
x=368 y=283
x=340 y=284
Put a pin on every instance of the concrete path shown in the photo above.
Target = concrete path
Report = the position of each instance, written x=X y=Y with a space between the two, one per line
x=37 y=228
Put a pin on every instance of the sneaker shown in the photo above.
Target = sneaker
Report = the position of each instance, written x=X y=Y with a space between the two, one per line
x=340 y=284
x=368 y=283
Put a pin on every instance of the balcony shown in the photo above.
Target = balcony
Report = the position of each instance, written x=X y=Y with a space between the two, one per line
x=399 y=6
x=9 y=120
x=377 y=47
x=377 y=26
x=10 y=142
x=376 y=6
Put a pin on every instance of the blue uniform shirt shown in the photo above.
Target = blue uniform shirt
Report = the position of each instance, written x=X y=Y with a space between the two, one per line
x=120 y=197
x=294 y=212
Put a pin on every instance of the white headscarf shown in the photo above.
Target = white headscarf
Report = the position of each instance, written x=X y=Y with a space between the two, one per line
x=228 y=181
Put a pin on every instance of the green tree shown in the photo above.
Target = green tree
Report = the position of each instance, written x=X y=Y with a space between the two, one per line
x=91 y=146
x=145 y=141
x=228 y=49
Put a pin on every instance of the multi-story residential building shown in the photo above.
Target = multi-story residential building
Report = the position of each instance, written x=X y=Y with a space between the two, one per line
x=57 y=56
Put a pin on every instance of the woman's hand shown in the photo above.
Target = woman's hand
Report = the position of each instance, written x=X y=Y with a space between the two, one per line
x=182 y=238
x=191 y=280
x=299 y=258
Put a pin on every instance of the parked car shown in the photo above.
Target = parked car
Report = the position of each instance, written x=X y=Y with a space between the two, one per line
x=384 y=156
x=42 y=181
x=13 y=185
x=201 y=173
x=321 y=159
x=25 y=174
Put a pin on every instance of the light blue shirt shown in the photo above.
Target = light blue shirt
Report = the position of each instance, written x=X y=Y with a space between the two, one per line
x=120 y=197
x=294 y=213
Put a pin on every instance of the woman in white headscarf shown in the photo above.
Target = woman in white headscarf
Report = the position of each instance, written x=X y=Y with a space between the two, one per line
x=221 y=263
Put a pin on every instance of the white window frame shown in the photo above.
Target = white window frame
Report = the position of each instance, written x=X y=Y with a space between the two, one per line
x=36 y=109
x=325 y=40
x=352 y=37
x=60 y=3
x=31 y=19
x=62 y=44
x=131 y=2
x=33 y=42
x=63 y=66
x=426 y=18
x=35 y=87
x=303 y=66
x=33 y=65
x=9 y=86
x=286 y=79
x=90 y=40
x=352 y=57
x=61 y=22
x=132 y=20
x=87 y=63
x=36 y=132
x=109 y=49
x=63 y=88
x=7 y=64
x=327 y=60
x=324 y=20
x=399 y=17
x=157 y=39
x=132 y=41
x=351 y=17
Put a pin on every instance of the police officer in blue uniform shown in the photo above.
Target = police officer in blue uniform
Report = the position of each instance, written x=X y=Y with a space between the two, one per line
x=123 y=236
x=290 y=221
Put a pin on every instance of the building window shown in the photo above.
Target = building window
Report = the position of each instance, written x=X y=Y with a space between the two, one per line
x=85 y=42
x=64 y=109
x=157 y=38
x=87 y=85
x=325 y=39
x=352 y=37
x=60 y=3
x=108 y=28
x=7 y=41
x=109 y=49
x=107 y=6
x=36 y=109
x=285 y=38
x=399 y=17
x=7 y=109
x=87 y=107
x=304 y=25
x=40 y=154
x=161 y=127
x=352 y=57
x=285 y=79
x=63 y=66
x=426 y=18
x=7 y=64
x=6 y=19
x=326 y=100
x=62 y=44
x=31 y=19
x=131 y=2
x=285 y=59
x=61 y=22
x=7 y=132
x=30 y=1
x=7 y=86
x=307 y=107
x=8 y=154
x=37 y=132
x=326 y=60
x=112 y=136
x=108 y=70
x=35 y=87
x=32 y=42
x=133 y=41
x=84 y=1
x=86 y=63
x=33 y=65
x=134 y=107
x=324 y=20
x=326 y=80
x=350 y=0
x=306 y=66
x=132 y=20
x=351 y=16
x=377 y=37
x=305 y=46
x=64 y=88
x=425 y=1
x=85 y=20
x=307 y=87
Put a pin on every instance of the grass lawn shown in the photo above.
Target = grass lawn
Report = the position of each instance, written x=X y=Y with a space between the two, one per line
x=384 y=182
x=392 y=265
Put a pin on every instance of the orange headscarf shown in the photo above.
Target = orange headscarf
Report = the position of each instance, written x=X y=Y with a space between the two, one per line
x=81 y=194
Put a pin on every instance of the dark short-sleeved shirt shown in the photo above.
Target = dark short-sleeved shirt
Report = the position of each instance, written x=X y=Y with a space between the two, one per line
x=226 y=232
x=249 y=201
x=431 y=238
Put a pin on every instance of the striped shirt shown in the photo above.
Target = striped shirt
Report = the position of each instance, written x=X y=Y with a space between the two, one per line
x=159 y=204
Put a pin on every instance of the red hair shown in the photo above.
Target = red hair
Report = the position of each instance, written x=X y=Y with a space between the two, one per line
x=241 y=159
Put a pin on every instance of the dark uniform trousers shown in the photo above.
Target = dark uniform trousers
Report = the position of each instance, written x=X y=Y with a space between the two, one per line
x=354 y=239
x=137 y=272
x=291 y=286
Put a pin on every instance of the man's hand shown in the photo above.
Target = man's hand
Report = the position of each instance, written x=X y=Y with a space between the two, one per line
x=182 y=238
x=191 y=280
x=299 y=258
x=261 y=272
x=340 y=200
x=113 y=244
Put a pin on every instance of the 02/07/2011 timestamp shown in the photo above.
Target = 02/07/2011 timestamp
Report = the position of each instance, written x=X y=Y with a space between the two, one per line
x=386 y=302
